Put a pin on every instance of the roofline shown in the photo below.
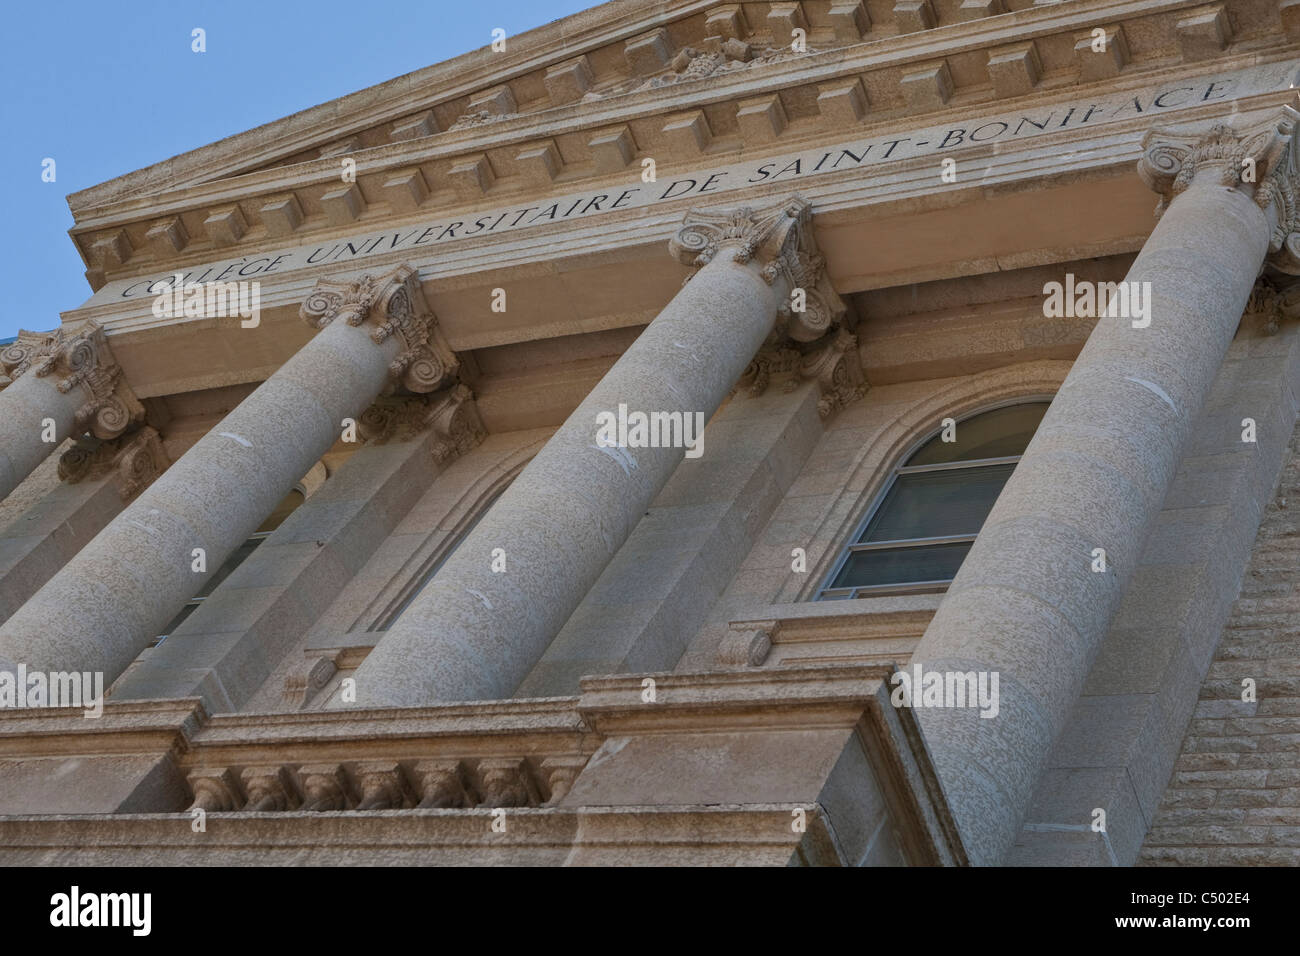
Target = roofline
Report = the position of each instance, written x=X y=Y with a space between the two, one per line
x=557 y=40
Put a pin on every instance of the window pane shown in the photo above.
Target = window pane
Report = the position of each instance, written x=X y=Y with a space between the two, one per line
x=933 y=562
x=938 y=503
x=996 y=434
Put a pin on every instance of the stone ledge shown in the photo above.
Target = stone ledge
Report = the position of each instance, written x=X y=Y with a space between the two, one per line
x=858 y=757
x=877 y=630
x=758 y=834
x=124 y=727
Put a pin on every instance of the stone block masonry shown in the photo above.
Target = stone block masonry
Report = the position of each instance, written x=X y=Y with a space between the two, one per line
x=1234 y=799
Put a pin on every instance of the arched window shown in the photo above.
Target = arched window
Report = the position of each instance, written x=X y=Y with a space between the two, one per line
x=924 y=522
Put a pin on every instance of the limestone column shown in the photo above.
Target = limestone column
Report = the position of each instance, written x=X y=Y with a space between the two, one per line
x=97 y=480
x=474 y=632
x=60 y=383
x=1027 y=603
x=117 y=594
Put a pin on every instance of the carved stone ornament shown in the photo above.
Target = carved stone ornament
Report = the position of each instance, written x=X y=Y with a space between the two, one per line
x=443 y=784
x=456 y=424
x=365 y=785
x=137 y=459
x=746 y=644
x=451 y=414
x=80 y=358
x=215 y=791
x=392 y=304
x=712 y=56
x=308 y=678
x=383 y=786
x=269 y=789
x=1273 y=299
x=834 y=364
x=505 y=782
x=325 y=787
x=781 y=238
x=477 y=118
x=1260 y=156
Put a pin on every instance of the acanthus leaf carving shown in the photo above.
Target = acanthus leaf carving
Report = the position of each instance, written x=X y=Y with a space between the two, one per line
x=81 y=359
x=456 y=424
x=137 y=459
x=1261 y=157
x=215 y=790
x=712 y=56
x=781 y=238
x=837 y=370
x=451 y=414
x=766 y=233
x=394 y=305
x=443 y=785
x=834 y=364
x=1273 y=299
x=325 y=787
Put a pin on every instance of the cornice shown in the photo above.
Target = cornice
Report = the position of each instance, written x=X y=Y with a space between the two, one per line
x=1069 y=155
x=119 y=237
x=533 y=49
x=124 y=727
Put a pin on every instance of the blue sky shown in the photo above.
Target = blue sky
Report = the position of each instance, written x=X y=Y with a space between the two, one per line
x=107 y=87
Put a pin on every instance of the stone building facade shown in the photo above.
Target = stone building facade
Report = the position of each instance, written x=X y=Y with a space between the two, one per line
x=373 y=475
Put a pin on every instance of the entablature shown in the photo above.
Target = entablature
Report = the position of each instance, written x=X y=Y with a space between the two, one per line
x=1047 y=196
x=741 y=105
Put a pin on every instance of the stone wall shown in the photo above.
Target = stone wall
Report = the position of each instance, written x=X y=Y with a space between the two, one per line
x=1235 y=794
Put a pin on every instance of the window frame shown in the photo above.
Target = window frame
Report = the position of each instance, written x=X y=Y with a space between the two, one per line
x=825 y=592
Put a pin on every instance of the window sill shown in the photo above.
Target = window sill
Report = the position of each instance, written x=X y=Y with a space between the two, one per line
x=874 y=630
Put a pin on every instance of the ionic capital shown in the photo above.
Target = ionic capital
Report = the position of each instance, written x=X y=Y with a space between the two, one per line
x=80 y=359
x=1260 y=159
x=392 y=304
x=780 y=237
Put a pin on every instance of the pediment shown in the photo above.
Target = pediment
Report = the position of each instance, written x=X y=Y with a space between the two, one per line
x=615 y=49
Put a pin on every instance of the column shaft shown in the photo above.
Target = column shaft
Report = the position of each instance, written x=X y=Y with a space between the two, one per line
x=117 y=594
x=474 y=633
x=66 y=378
x=24 y=405
x=1027 y=602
